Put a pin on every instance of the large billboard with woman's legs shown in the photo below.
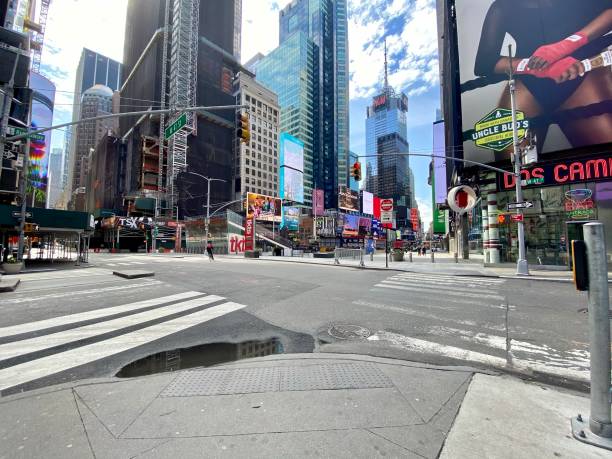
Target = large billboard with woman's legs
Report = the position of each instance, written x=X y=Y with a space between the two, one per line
x=560 y=52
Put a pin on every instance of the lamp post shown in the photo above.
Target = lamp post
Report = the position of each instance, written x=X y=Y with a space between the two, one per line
x=207 y=222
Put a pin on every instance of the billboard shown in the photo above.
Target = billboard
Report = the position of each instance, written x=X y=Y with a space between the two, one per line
x=367 y=203
x=351 y=226
x=43 y=96
x=365 y=226
x=264 y=208
x=318 y=202
x=439 y=164
x=291 y=152
x=562 y=76
x=291 y=218
x=348 y=199
x=291 y=185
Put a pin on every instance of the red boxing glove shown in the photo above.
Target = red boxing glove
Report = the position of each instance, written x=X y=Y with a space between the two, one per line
x=555 y=51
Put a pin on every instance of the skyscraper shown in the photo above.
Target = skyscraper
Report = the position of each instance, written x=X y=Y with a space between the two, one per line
x=209 y=137
x=325 y=23
x=55 y=177
x=386 y=115
x=290 y=72
x=96 y=101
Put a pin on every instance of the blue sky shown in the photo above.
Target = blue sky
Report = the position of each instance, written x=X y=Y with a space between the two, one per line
x=409 y=27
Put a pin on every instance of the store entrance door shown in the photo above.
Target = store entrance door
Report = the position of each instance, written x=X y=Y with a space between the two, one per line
x=574 y=232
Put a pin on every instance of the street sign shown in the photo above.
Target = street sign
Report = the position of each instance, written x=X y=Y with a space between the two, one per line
x=386 y=204
x=175 y=126
x=20 y=131
x=9 y=155
x=517 y=217
x=17 y=214
x=520 y=205
x=386 y=210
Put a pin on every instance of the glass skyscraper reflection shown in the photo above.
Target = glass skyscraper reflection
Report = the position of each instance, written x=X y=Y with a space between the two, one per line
x=322 y=27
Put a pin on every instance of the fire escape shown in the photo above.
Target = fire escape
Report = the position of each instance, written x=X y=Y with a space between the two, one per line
x=179 y=78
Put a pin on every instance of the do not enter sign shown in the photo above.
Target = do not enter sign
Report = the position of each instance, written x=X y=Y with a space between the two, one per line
x=517 y=217
x=386 y=204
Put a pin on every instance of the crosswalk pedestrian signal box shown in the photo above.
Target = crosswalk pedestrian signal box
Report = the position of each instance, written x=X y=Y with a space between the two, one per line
x=579 y=264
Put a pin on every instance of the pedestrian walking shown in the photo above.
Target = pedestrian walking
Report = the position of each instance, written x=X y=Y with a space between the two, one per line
x=209 y=251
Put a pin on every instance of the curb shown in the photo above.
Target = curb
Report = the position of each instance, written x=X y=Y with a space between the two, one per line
x=9 y=286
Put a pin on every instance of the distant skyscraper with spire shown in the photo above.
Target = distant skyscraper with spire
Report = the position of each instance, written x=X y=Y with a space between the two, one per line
x=386 y=175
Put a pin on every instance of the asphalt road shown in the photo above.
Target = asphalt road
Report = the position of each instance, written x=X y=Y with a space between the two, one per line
x=235 y=308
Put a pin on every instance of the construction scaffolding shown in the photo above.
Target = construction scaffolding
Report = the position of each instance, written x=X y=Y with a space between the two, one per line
x=179 y=82
x=38 y=31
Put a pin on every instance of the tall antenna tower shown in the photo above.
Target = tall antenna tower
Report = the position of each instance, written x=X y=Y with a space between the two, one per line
x=179 y=82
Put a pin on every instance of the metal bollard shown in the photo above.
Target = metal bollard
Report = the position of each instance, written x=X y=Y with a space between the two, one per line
x=598 y=430
x=410 y=257
x=456 y=257
x=432 y=257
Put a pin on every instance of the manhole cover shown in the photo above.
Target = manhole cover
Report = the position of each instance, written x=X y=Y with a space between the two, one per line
x=345 y=331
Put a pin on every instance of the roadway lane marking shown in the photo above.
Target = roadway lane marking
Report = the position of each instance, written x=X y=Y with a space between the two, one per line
x=575 y=371
x=56 y=363
x=437 y=290
x=448 y=285
x=454 y=279
x=28 y=299
x=94 y=314
x=111 y=264
x=39 y=343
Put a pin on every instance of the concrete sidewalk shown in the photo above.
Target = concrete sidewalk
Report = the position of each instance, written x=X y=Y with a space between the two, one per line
x=300 y=405
x=444 y=264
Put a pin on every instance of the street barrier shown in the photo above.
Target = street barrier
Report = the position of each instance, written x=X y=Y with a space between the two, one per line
x=345 y=254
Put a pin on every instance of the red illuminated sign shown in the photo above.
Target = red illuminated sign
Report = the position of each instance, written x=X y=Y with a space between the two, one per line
x=380 y=100
x=249 y=234
x=517 y=217
x=560 y=173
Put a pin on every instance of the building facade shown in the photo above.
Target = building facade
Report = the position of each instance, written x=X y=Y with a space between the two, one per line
x=352 y=159
x=96 y=101
x=55 y=184
x=325 y=23
x=256 y=164
x=106 y=177
x=210 y=146
x=291 y=72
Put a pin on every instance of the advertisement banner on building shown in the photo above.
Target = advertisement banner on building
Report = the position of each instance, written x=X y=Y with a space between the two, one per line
x=249 y=234
x=562 y=75
x=367 y=203
x=291 y=152
x=43 y=96
x=365 y=226
x=351 y=226
x=348 y=199
x=439 y=163
x=291 y=218
x=291 y=185
x=386 y=211
x=264 y=208
x=414 y=218
x=318 y=202
x=439 y=221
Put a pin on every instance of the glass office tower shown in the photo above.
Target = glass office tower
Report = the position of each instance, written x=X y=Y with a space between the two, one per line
x=291 y=71
x=325 y=23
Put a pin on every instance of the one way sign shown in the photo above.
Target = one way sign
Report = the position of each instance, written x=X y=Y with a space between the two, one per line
x=520 y=205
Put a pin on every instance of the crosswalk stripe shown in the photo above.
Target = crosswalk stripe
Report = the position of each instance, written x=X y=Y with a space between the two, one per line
x=138 y=263
x=56 y=363
x=89 y=315
x=111 y=264
x=472 y=279
x=39 y=343
x=456 y=285
x=61 y=274
x=438 y=290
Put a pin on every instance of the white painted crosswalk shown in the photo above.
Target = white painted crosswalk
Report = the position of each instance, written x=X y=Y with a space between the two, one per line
x=111 y=335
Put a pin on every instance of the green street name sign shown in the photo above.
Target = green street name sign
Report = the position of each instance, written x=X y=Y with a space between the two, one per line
x=175 y=126
x=20 y=131
x=494 y=131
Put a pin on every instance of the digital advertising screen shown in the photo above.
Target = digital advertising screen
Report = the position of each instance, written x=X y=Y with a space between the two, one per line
x=265 y=208
x=348 y=199
x=291 y=218
x=561 y=63
x=367 y=203
x=291 y=185
x=318 y=202
x=439 y=163
x=291 y=152
x=43 y=96
x=351 y=226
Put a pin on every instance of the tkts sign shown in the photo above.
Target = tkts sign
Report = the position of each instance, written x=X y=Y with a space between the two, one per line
x=561 y=173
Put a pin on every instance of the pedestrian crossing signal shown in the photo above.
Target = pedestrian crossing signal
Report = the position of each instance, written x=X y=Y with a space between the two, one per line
x=243 y=131
x=356 y=173
x=504 y=219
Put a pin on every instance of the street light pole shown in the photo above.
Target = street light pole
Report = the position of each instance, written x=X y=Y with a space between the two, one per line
x=522 y=268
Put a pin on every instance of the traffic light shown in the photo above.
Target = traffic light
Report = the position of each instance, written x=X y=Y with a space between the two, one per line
x=243 y=131
x=356 y=171
x=504 y=219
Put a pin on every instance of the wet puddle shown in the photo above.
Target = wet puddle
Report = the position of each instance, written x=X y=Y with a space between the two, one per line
x=204 y=355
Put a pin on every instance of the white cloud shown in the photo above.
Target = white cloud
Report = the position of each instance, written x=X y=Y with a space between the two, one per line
x=425 y=211
x=260 y=26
